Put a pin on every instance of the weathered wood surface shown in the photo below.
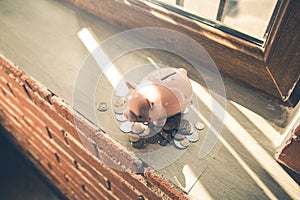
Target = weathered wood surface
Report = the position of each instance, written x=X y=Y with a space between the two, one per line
x=284 y=65
x=46 y=46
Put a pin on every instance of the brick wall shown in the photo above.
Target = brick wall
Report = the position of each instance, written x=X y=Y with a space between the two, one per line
x=43 y=125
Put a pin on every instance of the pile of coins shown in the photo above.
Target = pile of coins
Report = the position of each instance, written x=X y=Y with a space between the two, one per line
x=177 y=130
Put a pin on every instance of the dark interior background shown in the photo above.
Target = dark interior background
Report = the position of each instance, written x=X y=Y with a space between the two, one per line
x=19 y=179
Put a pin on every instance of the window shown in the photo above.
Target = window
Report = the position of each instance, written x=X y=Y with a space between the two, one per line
x=271 y=66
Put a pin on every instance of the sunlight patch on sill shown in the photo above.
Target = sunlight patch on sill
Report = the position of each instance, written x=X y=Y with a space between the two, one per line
x=104 y=63
x=259 y=122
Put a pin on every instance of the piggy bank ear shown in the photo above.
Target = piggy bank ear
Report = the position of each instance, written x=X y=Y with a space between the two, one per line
x=158 y=115
x=131 y=85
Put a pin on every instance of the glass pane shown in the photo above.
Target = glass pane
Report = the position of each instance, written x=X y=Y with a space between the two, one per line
x=245 y=18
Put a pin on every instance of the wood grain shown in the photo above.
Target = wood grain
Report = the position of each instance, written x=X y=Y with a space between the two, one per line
x=260 y=67
x=235 y=57
x=282 y=55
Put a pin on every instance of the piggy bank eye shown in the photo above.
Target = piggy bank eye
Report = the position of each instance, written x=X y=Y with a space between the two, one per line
x=140 y=116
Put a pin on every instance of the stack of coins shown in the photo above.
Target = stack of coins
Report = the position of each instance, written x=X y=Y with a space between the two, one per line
x=177 y=131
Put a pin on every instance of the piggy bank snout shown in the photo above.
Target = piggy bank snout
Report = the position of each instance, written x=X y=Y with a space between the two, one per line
x=138 y=108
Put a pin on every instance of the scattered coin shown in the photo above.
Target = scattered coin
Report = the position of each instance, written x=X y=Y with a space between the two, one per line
x=179 y=145
x=145 y=133
x=192 y=128
x=179 y=136
x=153 y=139
x=118 y=102
x=102 y=106
x=181 y=131
x=185 y=142
x=121 y=117
x=140 y=144
x=183 y=124
x=199 y=126
x=184 y=127
x=126 y=126
x=134 y=137
x=194 y=137
x=138 y=128
x=119 y=110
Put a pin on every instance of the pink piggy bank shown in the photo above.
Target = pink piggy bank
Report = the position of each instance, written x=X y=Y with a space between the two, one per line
x=161 y=94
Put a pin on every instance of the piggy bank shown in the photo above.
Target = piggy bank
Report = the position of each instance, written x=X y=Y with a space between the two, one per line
x=161 y=94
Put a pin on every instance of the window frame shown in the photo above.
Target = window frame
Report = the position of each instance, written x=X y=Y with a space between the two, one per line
x=272 y=68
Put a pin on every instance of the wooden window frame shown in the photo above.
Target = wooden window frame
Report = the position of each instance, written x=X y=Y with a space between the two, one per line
x=272 y=68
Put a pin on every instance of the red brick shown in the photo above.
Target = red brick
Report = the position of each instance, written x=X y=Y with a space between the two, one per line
x=62 y=108
x=164 y=184
x=149 y=190
x=118 y=152
x=9 y=67
x=92 y=177
x=36 y=86
x=105 y=170
x=58 y=172
x=65 y=161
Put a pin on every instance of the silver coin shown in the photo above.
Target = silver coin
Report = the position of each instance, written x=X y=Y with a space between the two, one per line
x=121 y=117
x=146 y=132
x=179 y=136
x=134 y=137
x=199 y=126
x=194 y=137
x=119 y=110
x=185 y=142
x=185 y=127
x=140 y=144
x=118 y=102
x=137 y=128
x=102 y=106
x=126 y=126
x=192 y=128
x=179 y=145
